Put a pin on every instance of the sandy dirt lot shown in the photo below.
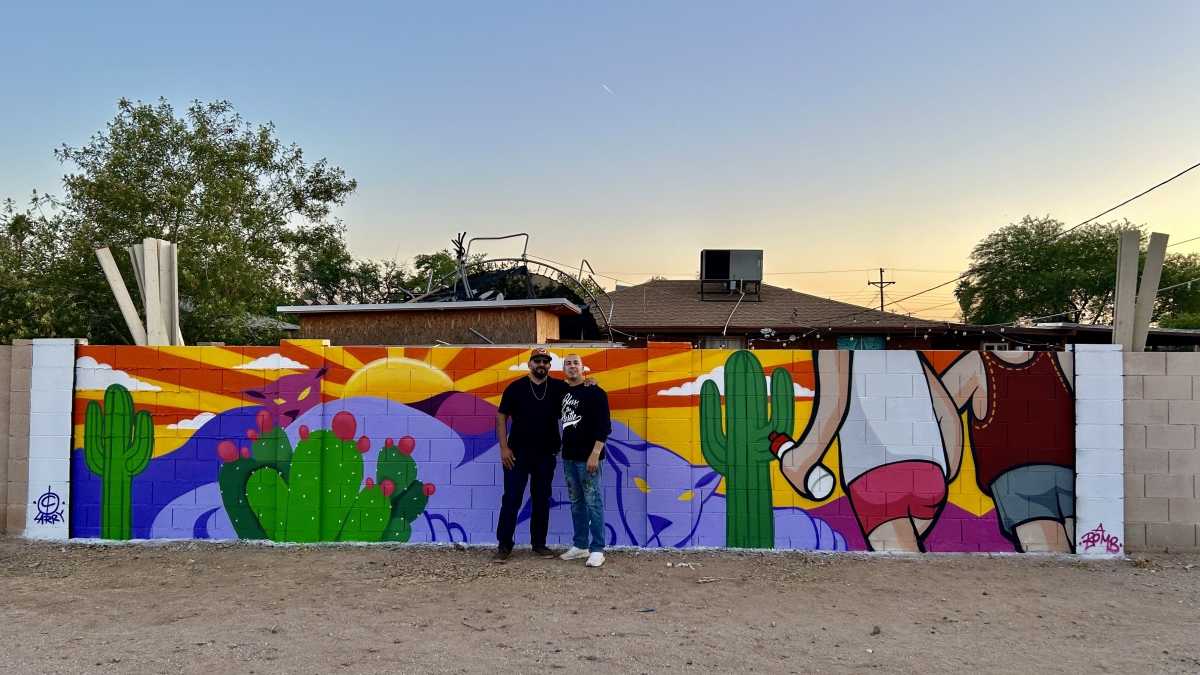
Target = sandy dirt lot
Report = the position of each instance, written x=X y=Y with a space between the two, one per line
x=215 y=609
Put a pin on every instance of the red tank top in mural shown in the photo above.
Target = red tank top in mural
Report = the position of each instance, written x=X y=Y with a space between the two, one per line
x=1030 y=418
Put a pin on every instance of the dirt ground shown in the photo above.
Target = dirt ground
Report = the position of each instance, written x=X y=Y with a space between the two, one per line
x=237 y=608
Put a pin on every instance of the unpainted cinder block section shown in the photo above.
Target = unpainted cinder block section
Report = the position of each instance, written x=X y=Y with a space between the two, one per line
x=16 y=380
x=5 y=395
x=1162 y=451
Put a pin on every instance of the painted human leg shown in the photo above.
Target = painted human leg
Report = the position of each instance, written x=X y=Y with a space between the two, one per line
x=896 y=504
x=1044 y=536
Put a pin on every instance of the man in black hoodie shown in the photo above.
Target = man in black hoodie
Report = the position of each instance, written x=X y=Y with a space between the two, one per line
x=586 y=426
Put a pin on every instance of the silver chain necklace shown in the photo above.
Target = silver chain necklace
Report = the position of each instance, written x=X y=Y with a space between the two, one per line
x=543 y=396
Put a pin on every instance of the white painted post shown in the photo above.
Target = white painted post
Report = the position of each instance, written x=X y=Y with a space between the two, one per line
x=1099 y=450
x=117 y=284
x=173 y=296
x=156 y=327
x=51 y=395
x=1148 y=289
x=1126 y=291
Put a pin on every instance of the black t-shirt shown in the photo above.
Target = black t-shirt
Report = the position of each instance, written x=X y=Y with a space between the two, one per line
x=585 y=420
x=534 y=409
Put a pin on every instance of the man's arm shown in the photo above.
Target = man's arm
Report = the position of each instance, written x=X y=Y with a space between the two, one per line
x=603 y=428
x=507 y=458
x=829 y=409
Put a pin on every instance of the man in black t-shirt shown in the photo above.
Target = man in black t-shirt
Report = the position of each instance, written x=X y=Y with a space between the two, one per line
x=529 y=452
x=586 y=425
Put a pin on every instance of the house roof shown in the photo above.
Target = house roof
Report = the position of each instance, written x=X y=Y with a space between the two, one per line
x=665 y=305
x=559 y=306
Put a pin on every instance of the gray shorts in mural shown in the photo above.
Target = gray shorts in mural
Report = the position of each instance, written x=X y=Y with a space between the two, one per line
x=1034 y=492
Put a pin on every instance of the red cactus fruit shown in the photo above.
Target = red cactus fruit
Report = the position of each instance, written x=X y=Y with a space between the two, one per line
x=407 y=445
x=252 y=434
x=429 y=489
x=344 y=425
x=304 y=432
x=388 y=486
x=227 y=451
x=370 y=482
x=245 y=452
x=363 y=444
x=264 y=421
x=389 y=443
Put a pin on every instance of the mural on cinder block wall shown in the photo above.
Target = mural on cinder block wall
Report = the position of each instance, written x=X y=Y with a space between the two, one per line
x=934 y=451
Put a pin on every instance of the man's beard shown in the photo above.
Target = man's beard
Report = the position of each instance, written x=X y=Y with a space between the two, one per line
x=541 y=371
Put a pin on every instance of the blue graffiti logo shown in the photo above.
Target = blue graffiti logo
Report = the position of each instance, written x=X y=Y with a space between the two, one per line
x=49 y=507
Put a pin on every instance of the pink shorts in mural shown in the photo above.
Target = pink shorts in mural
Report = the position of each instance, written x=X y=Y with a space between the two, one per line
x=901 y=490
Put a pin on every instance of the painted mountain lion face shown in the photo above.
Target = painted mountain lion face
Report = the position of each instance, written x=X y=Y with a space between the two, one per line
x=290 y=396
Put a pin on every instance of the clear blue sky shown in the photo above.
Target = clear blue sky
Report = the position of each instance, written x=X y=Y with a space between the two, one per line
x=833 y=135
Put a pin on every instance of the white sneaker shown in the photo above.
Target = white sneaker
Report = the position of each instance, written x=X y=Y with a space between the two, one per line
x=574 y=553
x=596 y=559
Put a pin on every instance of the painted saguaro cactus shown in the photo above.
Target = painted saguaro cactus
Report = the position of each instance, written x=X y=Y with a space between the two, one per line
x=316 y=492
x=117 y=443
x=740 y=449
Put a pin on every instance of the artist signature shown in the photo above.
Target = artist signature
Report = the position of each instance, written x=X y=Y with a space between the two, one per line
x=1098 y=537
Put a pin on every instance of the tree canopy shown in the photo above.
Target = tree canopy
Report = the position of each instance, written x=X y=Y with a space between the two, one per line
x=240 y=203
x=1032 y=271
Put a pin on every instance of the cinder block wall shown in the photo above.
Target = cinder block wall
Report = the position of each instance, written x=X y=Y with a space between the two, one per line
x=14 y=455
x=1162 y=458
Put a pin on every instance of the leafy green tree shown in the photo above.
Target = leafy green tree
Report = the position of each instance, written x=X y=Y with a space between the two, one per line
x=236 y=199
x=1031 y=270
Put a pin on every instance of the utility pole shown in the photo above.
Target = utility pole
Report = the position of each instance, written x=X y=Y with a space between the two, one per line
x=882 y=285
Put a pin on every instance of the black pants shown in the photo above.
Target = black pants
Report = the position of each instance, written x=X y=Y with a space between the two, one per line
x=538 y=472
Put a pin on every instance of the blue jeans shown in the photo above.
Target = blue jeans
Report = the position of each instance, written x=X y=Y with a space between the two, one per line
x=587 y=504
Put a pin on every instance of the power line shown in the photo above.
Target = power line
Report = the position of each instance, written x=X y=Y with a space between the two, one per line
x=1183 y=242
x=1042 y=243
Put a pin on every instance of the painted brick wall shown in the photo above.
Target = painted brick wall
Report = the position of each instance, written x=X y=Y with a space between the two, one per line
x=1162 y=458
x=226 y=442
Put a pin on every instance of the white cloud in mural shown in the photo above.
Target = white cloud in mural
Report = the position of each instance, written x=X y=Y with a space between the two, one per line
x=556 y=365
x=90 y=374
x=717 y=376
x=272 y=362
x=194 y=423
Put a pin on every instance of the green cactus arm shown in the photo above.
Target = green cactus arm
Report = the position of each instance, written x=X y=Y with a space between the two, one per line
x=783 y=402
x=367 y=518
x=410 y=502
x=234 y=479
x=141 y=448
x=341 y=475
x=118 y=418
x=273 y=449
x=397 y=466
x=93 y=438
x=712 y=433
x=268 y=496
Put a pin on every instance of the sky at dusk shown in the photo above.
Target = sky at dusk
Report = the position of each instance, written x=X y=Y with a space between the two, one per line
x=836 y=136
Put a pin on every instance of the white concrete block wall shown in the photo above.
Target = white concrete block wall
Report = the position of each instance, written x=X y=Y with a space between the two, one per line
x=51 y=395
x=1099 y=450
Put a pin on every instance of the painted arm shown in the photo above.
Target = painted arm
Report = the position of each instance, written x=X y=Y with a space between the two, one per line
x=963 y=385
x=507 y=458
x=829 y=410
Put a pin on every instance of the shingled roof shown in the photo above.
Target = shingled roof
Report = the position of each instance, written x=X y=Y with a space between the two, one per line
x=666 y=305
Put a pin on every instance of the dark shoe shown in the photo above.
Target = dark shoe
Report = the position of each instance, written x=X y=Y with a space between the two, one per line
x=502 y=555
x=543 y=552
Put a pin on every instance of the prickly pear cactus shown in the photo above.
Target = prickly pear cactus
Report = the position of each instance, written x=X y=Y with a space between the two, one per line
x=740 y=449
x=315 y=492
x=117 y=443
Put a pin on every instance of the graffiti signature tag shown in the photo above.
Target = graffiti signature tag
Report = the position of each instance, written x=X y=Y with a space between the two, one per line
x=49 y=507
x=1099 y=537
